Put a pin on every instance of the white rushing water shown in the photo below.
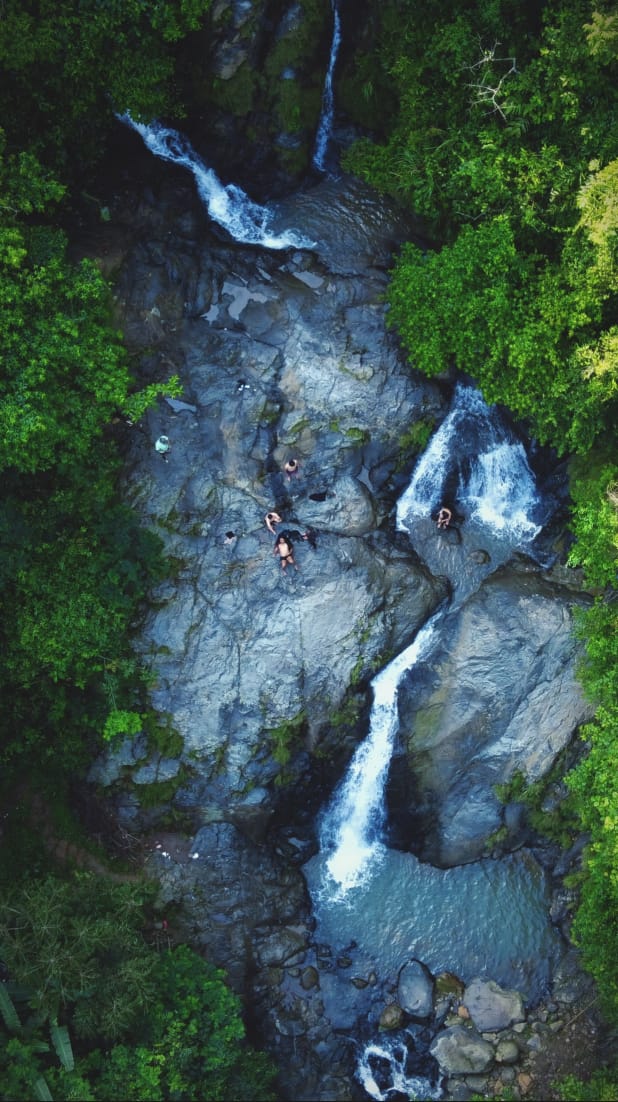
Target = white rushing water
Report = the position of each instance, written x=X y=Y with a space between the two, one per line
x=228 y=205
x=394 y=1054
x=325 y=124
x=350 y=832
x=384 y=902
x=495 y=486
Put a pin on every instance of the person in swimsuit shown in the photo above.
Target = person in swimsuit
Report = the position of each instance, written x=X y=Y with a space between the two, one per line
x=271 y=521
x=284 y=549
x=291 y=468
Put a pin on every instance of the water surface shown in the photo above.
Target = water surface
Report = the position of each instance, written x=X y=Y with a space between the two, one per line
x=489 y=918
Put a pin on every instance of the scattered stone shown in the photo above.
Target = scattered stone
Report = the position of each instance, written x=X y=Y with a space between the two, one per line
x=310 y=978
x=392 y=1017
x=524 y=1082
x=507 y=1052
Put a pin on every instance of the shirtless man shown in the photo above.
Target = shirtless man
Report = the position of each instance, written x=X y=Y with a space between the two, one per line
x=271 y=521
x=283 y=548
x=444 y=517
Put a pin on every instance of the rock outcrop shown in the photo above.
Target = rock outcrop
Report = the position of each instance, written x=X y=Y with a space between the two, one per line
x=497 y=697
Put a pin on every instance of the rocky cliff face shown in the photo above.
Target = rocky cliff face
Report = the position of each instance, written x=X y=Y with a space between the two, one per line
x=254 y=77
x=266 y=673
x=263 y=669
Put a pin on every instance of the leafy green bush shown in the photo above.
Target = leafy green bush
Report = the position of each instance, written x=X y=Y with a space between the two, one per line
x=78 y=962
x=193 y=1042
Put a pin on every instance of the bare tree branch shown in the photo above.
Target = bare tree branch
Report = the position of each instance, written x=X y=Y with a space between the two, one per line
x=488 y=89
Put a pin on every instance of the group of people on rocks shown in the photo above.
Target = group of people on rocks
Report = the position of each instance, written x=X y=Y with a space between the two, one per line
x=284 y=540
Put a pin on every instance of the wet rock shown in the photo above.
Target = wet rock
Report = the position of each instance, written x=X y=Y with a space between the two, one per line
x=415 y=989
x=284 y=946
x=310 y=978
x=500 y=692
x=109 y=766
x=491 y=1006
x=461 y=1050
x=162 y=769
x=480 y=557
x=392 y=1017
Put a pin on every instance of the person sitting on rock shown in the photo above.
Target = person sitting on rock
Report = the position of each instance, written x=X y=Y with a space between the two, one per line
x=285 y=550
x=444 y=517
x=271 y=521
x=291 y=467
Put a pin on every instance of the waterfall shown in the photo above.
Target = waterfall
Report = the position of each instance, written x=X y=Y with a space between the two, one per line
x=350 y=830
x=383 y=1069
x=227 y=205
x=326 y=118
x=491 y=480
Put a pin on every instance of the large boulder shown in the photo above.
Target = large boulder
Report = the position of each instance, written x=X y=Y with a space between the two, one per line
x=415 y=989
x=491 y=1007
x=498 y=695
x=460 y=1050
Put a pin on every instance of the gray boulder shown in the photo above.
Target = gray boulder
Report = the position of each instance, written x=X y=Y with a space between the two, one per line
x=492 y=1007
x=460 y=1050
x=415 y=989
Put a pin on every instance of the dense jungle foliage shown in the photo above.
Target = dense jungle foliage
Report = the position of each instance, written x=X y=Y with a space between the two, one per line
x=95 y=1004
x=495 y=121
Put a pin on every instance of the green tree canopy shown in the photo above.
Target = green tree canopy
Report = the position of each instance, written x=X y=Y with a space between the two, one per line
x=67 y=65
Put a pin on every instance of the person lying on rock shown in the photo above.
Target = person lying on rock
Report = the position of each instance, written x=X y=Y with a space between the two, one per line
x=284 y=548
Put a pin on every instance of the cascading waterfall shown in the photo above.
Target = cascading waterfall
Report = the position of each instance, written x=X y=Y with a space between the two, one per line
x=327 y=114
x=227 y=205
x=350 y=831
x=492 y=483
x=385 y=902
